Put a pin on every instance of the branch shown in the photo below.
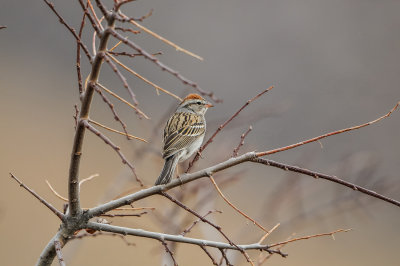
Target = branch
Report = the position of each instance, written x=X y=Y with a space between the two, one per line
x=234 y=207
x=241 y=143
x=116 y=131
x=308 y=237
x=327 y=134
x=115 y=147
x=163 y=66
x=209 y=255
x=334 y=179
x=137 y=110
x=169 y=252
x=57 y=246
x=43 y=201
x=178 y=48
x=208 y=142
x=72 y=30
x=73 y=178
x=176 y=238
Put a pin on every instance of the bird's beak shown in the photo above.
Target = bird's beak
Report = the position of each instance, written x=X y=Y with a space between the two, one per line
x=208 y=105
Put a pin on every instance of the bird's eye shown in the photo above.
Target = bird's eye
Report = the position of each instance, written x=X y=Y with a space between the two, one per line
x=199 y=103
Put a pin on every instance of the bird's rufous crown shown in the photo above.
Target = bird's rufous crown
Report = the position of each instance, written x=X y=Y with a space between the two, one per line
x=193 y=96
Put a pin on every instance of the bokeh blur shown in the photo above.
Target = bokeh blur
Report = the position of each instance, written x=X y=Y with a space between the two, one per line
x=334 y=64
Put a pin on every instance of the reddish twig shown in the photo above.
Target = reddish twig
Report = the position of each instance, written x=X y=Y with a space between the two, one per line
x=116 y=131
x=225 y=258
x=209 y=255
x=224 y=124
x=115 y=147
x=124 y=18
x=236 y=208
x=122 y=78
x=241 y=143
x=43 y=201
x=90 y=17
x=72 y=30
x=111 y=106
x=163 y=66
x=308 y=237
x=169 y=251
x=78 y=54
x=128 y=30
x=187 y=230
x=334 y=179
x=219 y=229
x=259 y=154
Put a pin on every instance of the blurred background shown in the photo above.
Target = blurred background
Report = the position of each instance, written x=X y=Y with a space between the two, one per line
x=334 y=64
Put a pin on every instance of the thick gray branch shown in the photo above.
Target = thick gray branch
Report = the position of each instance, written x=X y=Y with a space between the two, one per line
x=174 y=238
x=185 y=178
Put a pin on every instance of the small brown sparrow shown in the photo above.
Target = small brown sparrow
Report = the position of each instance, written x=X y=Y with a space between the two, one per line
x=183 y=134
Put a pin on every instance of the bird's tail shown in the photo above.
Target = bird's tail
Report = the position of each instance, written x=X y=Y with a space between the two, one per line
x=168 y=170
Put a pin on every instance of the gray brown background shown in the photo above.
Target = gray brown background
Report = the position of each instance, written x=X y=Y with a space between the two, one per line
x=333 y=63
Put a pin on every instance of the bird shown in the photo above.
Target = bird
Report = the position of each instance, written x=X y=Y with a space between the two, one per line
x=183 y=134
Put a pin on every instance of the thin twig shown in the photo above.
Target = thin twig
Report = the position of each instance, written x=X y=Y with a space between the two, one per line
x=241 y=143
x=130 y=54
x=128 y=30
x=43 y=201
x=225 y=257
x=187 y=230
x=115 y=147
x=268 y=233
x=124 y=214
x=57 y=246
x=208 y=142
x=100 y=233
x=163 y=67
x=259 y=154
x=90 y=17
x=331 y=178
x=261 y=260
x=55 y=192
x=122 y=78
x=116 y=131
x=169 y=251
x=111 y=106
x=87 y=179
x=308 y=237
x=123 y=100
x=219 y=229
x=94 y=15
x=178 y=48
x=236 y=208
x=72 y=30
x=209 y=255
x=3 y=27
x=78 y=58
x=158 y=88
